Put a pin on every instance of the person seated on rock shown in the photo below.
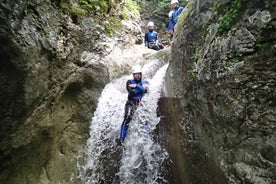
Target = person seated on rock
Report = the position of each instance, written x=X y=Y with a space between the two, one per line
x=170 y=26
x=151 y=38
x=176 y=10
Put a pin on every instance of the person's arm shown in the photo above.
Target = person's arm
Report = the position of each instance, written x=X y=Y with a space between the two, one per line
x=140 y=89
x=177 y=13
x=179 y=10
x=137 y=88
x=146 y=40
x=128 y=87
x=156 y=38
x=146 y=86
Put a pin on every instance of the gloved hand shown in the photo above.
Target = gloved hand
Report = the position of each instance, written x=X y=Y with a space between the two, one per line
x=146 y=86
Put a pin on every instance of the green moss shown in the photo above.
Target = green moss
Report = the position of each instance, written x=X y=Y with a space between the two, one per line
x=196 y=54
x=93 y=5
x=192 y=73
x=262 y=46
x=130 y=5
x=111 y=25
x=237 y=56
x=186 y=11
x=267 y=26
x=216 y=7
x=225 y=23
x=107 y=13
x=113 y=22
x=204 y=32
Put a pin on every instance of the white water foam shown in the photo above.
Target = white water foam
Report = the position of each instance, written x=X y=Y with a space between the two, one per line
x=142 y=159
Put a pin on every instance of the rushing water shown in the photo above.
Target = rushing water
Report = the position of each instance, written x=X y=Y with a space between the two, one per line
x=142 y=159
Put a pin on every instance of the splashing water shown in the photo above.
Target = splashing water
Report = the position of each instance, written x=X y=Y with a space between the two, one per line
x=142 y=158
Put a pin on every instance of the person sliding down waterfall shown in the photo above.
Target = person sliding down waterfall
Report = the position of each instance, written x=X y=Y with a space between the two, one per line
x=136 y=88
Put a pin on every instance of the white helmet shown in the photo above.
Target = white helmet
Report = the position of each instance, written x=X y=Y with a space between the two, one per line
x=174 y=1
x=136 y=69
x=170 y=14
x=150 y=24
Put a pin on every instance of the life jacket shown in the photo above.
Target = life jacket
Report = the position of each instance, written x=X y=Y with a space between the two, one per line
x=150 y=37
x=136 y=94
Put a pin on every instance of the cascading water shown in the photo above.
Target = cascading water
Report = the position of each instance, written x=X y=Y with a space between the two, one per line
x=142 y=159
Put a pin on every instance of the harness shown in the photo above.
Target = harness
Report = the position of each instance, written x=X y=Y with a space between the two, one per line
x=135 y=102
x=151 y=44
x=151 y=38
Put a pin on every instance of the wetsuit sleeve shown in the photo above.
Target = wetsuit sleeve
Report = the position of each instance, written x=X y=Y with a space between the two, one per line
x=139 y=88
x=145 y=82
x=180 y=10
x=129 y=89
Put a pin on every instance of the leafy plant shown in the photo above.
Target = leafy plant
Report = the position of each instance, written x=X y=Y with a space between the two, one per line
x=93 y=5
x=196 y=54
x=267 y=26
x=130 y=5
x=227 y=20
x=216 y=7
x=106 y=12
x=262 y=46
x=161 y=6
x=238 y=56
x=192 y=73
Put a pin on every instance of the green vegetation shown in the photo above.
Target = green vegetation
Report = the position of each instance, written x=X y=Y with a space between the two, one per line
x=106 y=12
x=84 y=7
x=94 y=5
x=196 y=54
x=195 y=57
x=130 y=5
x=237 y=56
x=161 y=7
x=267 y=26
x=225 y=23
x=262 y=46
x=216 y=7
x=112 y=24
x=192 y=73
x=204 y=32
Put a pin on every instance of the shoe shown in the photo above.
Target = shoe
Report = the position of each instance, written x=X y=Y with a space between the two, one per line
x=119 y=141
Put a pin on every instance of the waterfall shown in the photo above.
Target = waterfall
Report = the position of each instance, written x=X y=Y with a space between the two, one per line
x=142 y=159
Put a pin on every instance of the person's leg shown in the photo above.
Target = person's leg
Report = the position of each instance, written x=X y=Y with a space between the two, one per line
x=129 y=111
x=161 y=46
x=155 y=47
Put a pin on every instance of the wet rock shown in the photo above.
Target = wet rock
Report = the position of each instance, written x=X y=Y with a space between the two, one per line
x=225 y=85
x=52 y=72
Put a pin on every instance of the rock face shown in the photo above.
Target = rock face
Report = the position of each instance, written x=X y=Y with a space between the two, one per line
x=52 y=72
x=220 y=90
x=222 y=73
